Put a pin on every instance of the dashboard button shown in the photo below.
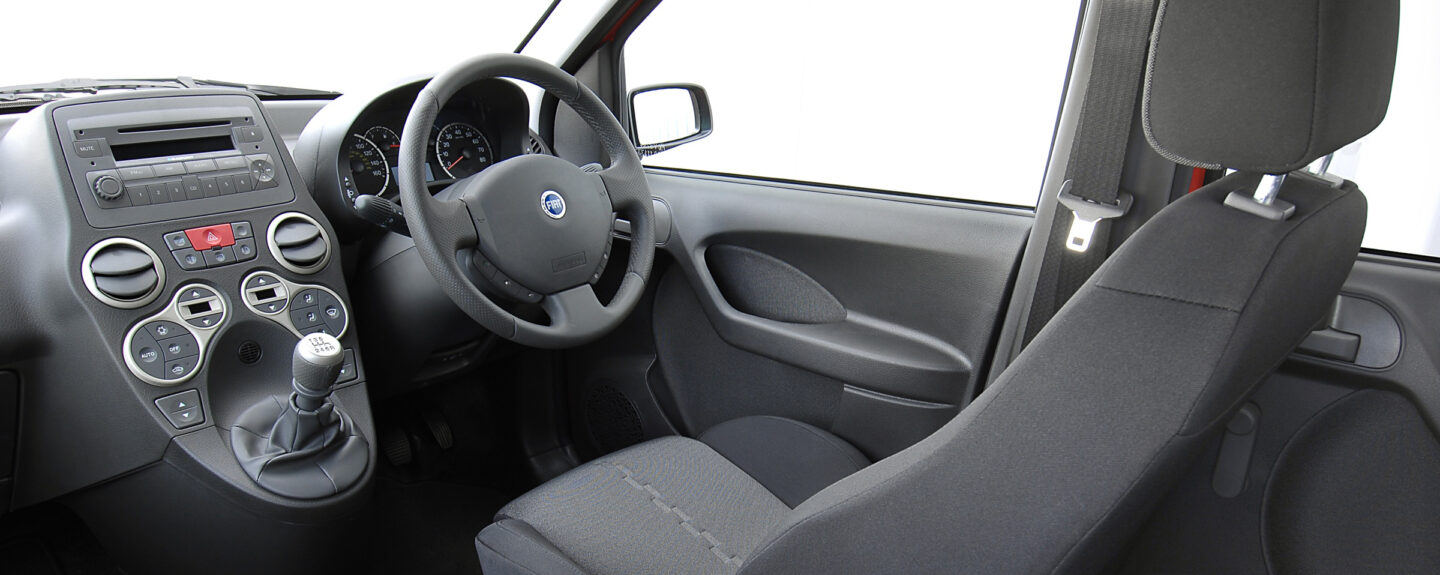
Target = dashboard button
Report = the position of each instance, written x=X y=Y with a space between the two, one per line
x=245 y=250
x=210 y=187
x=332 y=313
x=241 y=230
x=171 y=190
x=182 y=367
x=347 y=367
x=164 y=329
x=89 y=148
x=244 y=182
x=249 y=134
x=137 y=172
x=231 y=163
x=166 y=170
x=220 y=256
x=180 y=346
x=146 y=353
x=205 y=321
x=307 y=298
x=186 y=417
x=177 y=240
x=306 y=317
x=211 y=236
x=227 y=185
x=192 y=187
x=188 y=399
x=189 y=259
x=139 y=195
x=200 y=166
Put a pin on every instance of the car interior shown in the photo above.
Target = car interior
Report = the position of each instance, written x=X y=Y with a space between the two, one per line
x=469 y=322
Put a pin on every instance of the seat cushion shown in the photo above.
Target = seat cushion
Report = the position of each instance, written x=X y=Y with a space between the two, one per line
x=793 y=460
x=670 y=505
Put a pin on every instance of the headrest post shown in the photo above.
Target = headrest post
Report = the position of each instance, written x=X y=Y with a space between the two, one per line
x=1325 y=164
x=1268 y=189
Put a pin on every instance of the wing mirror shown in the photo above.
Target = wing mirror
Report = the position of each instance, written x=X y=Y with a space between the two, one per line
x=668 y=115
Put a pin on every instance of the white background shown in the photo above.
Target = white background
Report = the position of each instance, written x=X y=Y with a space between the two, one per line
x=953 y=99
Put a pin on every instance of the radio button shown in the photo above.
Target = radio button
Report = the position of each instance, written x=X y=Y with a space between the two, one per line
x=192 y=187
x=172 y=190
x=227 y=185
x=137 y=172
x=231 y=162
x=249 y=134
x=164 y=170
x=89 y=148
x=244 y=182
x=210 y=187
x=139 y=195
x=107 y=187
x=198 y=166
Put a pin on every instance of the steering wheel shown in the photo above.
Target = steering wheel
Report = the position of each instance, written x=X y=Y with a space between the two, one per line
x=533 y=227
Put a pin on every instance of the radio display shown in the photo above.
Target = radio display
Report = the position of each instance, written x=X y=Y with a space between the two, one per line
x=166 y=148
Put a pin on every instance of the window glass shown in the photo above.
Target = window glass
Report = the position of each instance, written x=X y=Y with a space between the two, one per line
x=952 y=99
x=1393 y=164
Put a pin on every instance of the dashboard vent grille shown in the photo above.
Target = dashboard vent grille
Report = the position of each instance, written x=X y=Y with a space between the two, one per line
x=299 y=243
x=536 y=145
x=123 y=273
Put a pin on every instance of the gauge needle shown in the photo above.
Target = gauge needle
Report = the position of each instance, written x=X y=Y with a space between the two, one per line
x=394 y=145
x=453 y=164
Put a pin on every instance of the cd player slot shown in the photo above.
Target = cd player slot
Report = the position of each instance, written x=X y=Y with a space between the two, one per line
x=168 y=148
x=172 y=126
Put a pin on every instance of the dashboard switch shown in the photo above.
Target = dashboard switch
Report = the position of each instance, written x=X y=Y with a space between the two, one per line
x=188 y=399
x=211 y=236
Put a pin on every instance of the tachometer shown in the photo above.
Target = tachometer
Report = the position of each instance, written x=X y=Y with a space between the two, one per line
x=462 y=150
x=367 y=165
x=385 y=139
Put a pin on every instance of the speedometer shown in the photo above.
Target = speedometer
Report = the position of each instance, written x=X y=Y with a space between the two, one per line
x=367 y=165
x=462 y=150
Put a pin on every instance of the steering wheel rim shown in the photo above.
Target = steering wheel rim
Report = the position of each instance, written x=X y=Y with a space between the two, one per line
x=444 y=228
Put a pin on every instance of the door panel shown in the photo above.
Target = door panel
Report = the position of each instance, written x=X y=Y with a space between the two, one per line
x=867 y=314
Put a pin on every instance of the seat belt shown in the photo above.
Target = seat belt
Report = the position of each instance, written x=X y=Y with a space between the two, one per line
x=1091 y=196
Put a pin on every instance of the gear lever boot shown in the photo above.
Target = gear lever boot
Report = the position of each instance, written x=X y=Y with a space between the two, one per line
x=302 y=446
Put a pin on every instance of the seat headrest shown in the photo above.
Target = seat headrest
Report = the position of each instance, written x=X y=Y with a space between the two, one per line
x=1267 y=85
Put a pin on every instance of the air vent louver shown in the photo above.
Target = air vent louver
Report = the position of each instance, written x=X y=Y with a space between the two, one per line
x=299 y=243
x=123 y=273
x=537 y=146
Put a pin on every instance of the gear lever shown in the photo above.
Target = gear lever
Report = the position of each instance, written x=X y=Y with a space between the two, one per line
x=303 y=445
x=314 y=367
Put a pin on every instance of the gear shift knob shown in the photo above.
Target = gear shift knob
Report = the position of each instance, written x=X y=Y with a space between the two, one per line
x=315 y=367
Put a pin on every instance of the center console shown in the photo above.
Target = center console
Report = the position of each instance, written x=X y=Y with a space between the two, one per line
x=196 y=262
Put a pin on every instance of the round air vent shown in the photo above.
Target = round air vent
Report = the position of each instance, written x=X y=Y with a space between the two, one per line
x=299 y=243
x=536 y=145
x=123 y=273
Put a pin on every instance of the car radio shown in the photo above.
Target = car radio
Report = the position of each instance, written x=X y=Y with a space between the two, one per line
x=156 y=159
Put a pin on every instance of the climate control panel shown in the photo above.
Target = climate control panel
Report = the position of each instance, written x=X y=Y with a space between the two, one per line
x=302 y=308
x=168 y=347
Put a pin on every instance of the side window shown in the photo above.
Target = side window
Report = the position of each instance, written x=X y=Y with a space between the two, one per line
x=1391 y=164
x=949 y=99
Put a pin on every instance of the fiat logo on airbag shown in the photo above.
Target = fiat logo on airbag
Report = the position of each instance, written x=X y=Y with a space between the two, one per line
x=552 y=204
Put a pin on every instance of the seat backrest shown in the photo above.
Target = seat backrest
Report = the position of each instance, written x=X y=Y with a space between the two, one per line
x=1055 y=464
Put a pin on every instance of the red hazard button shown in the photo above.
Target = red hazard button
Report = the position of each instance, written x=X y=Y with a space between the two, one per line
x=210 y=237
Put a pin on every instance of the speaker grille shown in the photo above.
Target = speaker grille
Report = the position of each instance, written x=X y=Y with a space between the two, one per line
x=249 y=352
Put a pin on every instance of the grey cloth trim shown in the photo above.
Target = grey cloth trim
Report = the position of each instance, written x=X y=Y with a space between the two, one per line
x=509 y=546
x=794 y=460
x=670 y=505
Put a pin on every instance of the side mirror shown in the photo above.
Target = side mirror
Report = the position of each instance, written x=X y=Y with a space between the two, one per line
x=665 y=116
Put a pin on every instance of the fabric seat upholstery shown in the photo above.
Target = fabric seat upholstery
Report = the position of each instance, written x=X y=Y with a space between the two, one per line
x=1053 y=466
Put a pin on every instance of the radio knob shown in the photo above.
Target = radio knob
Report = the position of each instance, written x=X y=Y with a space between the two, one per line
x=108 y=188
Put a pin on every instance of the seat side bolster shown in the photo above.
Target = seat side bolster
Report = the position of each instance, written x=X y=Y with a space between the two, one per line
x=513 y=547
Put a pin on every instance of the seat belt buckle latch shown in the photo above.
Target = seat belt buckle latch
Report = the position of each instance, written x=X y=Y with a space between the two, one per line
x=1087 y=213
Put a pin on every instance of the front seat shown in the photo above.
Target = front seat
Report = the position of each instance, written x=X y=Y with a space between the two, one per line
x=1053 y=466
